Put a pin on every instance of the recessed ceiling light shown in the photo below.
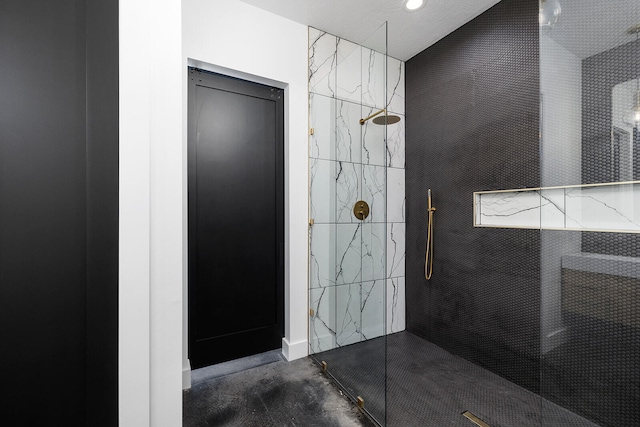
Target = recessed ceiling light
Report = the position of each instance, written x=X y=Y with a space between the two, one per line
x=413 y=5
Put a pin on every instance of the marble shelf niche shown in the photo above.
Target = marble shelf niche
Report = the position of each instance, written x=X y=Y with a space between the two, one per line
x=609 y=207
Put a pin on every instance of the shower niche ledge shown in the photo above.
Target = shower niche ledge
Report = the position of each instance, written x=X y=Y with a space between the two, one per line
x=614 y=265
x=608 y=207
x=602 y=287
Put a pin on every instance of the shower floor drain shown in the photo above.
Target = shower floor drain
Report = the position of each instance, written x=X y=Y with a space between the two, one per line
x=477 y=421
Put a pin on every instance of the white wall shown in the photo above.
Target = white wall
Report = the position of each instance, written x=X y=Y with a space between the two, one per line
x=150 y=236
x=153 y=60
x=234 y=38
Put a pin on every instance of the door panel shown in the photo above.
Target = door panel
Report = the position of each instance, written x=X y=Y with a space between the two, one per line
x=235 y=218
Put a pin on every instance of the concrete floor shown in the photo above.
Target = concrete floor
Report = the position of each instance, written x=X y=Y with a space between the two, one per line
x=278 y=393
x=404 y=381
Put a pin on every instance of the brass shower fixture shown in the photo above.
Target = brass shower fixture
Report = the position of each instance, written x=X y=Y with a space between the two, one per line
x=428 y=259
x=386 y=119
x=361 y=210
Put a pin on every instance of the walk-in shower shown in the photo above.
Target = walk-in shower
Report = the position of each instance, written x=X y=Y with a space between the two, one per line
x=527 y=313
x=357 y=220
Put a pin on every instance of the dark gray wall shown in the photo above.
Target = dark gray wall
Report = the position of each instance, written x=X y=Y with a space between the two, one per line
x=101 y=144
x=473 y=124
x=58 y=212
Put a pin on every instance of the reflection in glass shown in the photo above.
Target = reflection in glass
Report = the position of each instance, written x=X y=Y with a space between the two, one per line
x=590 y=279
x=549 y=12
x=622 y=95
x=632 y=116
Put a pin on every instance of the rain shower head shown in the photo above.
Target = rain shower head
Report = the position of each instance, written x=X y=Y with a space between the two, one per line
x=385 y=119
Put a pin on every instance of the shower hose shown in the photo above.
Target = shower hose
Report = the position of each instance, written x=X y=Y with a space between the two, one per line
x=428 y=261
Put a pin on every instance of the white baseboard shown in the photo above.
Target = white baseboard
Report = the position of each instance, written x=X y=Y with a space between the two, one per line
x=186 y=376
x=293 y=351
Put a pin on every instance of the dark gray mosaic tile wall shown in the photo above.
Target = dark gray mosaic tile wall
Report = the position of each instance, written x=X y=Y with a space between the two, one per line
x=473 y=124
x=600 y=73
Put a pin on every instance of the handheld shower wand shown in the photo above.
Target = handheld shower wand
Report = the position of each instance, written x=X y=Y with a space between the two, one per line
x=428 y=261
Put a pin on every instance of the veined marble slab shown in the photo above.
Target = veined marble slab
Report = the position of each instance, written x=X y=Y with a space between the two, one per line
x=373 y=78
x=395 y=86
x=348 y=322
x=372 y=308
x=348 y=146
x=322 y=323
x=508 y=209
x=323 y=57
x=347 y=71
x=356 y=268
x=610 y=207
x=396 y=200
x=395 y=144
x=322 y=119
x=373 y=255
x=373 y=146
x=396 y=249
x=395 y=305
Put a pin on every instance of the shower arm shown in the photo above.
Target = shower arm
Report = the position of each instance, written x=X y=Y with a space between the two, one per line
x=362 y=121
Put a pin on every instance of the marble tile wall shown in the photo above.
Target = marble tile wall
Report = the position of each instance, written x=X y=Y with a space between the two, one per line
x=613 y=207
x=356 y=267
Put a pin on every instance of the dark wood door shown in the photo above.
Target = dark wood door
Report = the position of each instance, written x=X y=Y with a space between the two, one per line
x=236 y=218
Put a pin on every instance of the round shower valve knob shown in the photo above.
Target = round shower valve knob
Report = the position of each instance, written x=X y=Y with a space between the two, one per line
x=361 y=210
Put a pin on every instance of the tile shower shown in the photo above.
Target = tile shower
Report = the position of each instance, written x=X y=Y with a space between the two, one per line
x=356 y=267
x=531 y=316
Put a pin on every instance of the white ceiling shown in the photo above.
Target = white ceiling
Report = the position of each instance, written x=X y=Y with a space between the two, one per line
x=356 y=20
x=585 y=27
